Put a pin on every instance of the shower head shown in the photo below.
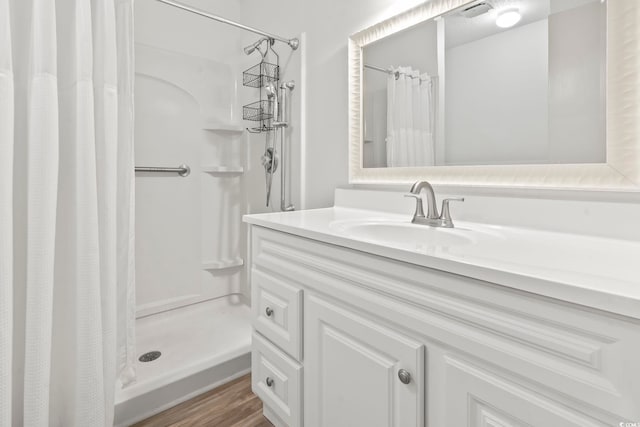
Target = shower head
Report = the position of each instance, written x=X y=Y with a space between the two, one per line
x=293 y=43
x=252 y=47
x=272 y=95
x=271 y=90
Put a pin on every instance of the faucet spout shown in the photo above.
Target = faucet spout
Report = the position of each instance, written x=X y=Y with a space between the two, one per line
x=432 y=218
x=432 y=208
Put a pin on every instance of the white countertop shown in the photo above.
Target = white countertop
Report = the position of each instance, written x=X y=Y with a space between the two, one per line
x=597 y=272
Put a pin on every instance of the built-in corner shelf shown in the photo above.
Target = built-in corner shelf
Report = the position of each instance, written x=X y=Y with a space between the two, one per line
x=223 y=264
x=223 y=169
x=226 y=127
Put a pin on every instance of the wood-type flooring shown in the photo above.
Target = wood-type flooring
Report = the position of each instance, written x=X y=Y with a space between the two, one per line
x=230 y=405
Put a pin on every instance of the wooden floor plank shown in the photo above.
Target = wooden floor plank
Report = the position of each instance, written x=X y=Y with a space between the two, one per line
x=230 y=405
x=255 y=420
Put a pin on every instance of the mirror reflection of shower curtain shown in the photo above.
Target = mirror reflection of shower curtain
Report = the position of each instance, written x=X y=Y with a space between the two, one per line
x=409 y=119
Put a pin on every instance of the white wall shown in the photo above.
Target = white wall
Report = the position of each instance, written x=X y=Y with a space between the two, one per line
x=186 y=109
x=577 y=95
x=160 y=25
x=497 y=98
x=533 y=94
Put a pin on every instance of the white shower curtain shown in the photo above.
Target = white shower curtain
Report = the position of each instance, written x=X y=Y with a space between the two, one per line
x=409 y=119
x=66 y=205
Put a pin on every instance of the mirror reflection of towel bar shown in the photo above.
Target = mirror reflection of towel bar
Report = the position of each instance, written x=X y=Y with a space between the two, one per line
x=182 y=170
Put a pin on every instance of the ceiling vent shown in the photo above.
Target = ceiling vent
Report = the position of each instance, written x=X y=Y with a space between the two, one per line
x=476 y=10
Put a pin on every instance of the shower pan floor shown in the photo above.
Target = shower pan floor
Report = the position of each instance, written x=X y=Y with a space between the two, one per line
x=203 y=345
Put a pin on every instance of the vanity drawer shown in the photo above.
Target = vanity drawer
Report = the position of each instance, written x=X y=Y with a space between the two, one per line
x=277 y=380
x=277 y=312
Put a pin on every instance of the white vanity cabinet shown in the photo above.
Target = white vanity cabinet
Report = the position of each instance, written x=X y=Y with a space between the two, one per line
x=356 y=339
x=360 y=373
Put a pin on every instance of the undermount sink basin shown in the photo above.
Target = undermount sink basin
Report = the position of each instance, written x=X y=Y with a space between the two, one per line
x=404 y=234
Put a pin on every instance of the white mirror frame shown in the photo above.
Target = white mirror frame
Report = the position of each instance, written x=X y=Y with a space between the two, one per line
x=622 y=170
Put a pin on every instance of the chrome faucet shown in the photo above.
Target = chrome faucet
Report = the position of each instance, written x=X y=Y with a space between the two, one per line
x=432 y=218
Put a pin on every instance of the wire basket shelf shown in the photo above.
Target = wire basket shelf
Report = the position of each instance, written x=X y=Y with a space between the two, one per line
x=260 y=74
x=259 y=111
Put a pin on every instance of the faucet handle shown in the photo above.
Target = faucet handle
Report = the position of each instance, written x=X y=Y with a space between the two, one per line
x=445 y=214
x=419 y=208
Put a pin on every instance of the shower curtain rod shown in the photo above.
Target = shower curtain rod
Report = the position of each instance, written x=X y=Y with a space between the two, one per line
x=396 y=73
x=293 y=43
x=373 y=67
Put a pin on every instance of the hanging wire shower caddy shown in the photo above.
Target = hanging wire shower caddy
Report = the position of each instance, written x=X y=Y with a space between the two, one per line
x=260 y=111
x=260 y=74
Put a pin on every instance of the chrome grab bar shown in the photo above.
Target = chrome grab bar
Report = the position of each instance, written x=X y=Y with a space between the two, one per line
x=182 y=170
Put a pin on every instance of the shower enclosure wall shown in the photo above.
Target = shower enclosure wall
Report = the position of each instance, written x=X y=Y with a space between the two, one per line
x=192 y=287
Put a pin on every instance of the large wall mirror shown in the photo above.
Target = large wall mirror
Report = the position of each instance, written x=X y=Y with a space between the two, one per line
x=539 y=93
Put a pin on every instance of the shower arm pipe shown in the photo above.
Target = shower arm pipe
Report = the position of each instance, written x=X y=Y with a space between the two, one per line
x=293 y=43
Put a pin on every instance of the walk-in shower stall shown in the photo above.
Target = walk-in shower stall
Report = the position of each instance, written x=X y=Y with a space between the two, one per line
x=202 y=161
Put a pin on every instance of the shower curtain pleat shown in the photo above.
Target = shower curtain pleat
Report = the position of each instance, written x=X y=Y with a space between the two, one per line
x=421 y=120
x=42 y=193
x=426 y=122
x=401 y=113
x=125 y=190
x=391 y=120
x=410 y=126
x=6 y=214
x=404 y=110
x=106 y=101
x=79 y=357
x=79 y=305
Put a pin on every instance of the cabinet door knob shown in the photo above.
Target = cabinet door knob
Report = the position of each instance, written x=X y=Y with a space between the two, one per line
x=268 y=311
x=405 y=376
x=269 y=382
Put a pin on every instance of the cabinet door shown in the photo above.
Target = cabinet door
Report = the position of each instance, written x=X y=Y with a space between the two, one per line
x=352 y=367
x=478 y=398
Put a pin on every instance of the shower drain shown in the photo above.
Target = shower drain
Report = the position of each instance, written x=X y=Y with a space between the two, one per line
x=150 y=356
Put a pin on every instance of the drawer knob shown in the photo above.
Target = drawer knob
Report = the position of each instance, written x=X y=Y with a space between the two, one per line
x=268 y=311
x=269 y=382
x=405 y=376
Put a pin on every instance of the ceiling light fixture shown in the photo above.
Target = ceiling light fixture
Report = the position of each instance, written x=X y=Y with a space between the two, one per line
x=508 y=18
